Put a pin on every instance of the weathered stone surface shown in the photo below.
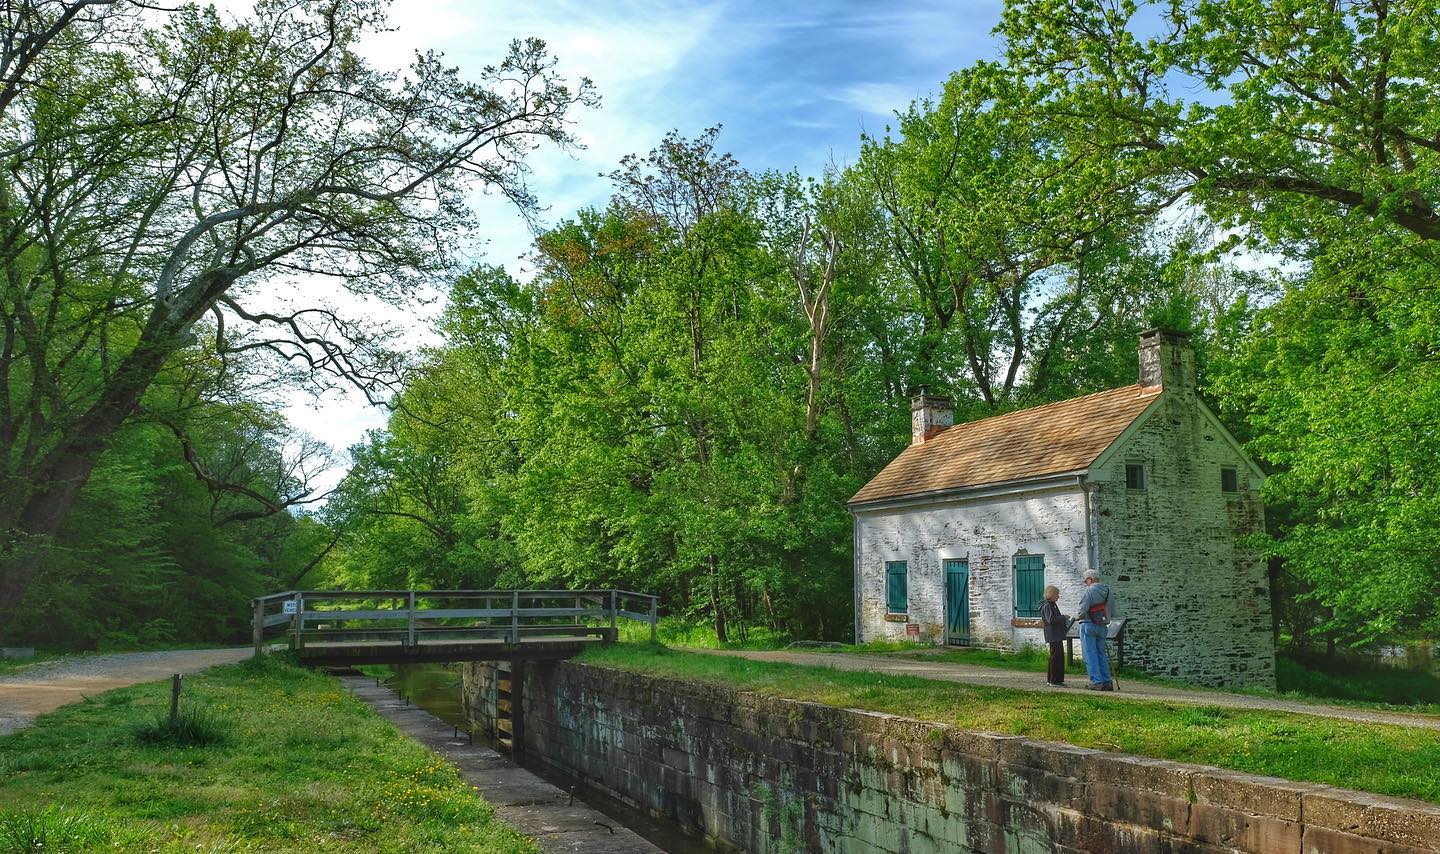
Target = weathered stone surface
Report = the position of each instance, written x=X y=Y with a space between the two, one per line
x=1143 y=773
x=1248 y=793
x=765 y=774
x=1243 y=831
x=1403 y=822
x=1322 y=840
x=1139 y=807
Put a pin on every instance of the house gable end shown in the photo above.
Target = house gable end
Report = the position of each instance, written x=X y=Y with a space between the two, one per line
x=1230 y=440
x=1098 y=470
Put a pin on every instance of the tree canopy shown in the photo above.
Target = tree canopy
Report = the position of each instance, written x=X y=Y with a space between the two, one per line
x=700 y=370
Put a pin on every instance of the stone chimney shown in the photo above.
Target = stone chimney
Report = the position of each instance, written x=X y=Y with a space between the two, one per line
x=929 y=415
x=1168 y=360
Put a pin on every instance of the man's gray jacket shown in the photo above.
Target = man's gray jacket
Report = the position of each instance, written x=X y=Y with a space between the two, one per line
x=1097 y=600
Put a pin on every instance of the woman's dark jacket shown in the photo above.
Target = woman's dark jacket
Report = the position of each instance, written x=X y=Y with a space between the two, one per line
x=1054 y=621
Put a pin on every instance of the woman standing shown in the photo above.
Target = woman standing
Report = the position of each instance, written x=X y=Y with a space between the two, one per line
x=1056 y=624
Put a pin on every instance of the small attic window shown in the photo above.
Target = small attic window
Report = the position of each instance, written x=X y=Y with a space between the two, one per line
x=1134 y=475
x=1229 y=479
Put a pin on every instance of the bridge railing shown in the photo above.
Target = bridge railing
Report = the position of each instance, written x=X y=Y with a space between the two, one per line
x=409 y=618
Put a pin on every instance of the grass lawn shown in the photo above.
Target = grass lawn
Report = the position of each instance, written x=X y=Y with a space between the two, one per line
x=1306 y=681
x=301 y=766
x=1389 y=760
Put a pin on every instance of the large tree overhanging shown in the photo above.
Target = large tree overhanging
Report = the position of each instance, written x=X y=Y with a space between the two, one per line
x=206 y=170
x=1268 y=113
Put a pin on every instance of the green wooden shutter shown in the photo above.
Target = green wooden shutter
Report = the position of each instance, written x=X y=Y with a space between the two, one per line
x=897 y=594
x=1029 y=584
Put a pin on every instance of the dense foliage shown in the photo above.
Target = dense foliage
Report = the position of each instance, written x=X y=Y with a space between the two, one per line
x=180 y=189
x=702 y=373
x=691 y=379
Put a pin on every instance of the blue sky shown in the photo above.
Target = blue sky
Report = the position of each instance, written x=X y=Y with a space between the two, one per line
x=794 y=84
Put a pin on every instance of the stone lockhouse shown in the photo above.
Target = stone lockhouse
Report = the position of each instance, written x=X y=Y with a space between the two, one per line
x=956 y=538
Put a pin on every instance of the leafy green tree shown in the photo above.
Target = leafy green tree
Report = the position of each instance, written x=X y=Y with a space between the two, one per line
x=1303 y=110
x=199 y=169
x=1003 y=248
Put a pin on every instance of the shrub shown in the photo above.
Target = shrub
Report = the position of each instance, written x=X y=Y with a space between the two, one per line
x=192 y=727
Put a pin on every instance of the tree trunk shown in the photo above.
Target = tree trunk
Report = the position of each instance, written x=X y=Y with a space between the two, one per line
x=65 y=470
x=721 y=635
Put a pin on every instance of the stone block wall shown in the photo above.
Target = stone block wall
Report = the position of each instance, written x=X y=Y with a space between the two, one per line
x=478 y=694
x=1175 y=554
x=770 y=775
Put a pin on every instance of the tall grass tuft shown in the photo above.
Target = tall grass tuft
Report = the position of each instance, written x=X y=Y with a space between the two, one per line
x=50 y=829
x=192 y=727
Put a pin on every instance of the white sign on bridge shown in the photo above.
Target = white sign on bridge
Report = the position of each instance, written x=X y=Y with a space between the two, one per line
x=291 y=606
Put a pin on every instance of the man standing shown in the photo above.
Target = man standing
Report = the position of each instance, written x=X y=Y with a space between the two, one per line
x=1094 y=620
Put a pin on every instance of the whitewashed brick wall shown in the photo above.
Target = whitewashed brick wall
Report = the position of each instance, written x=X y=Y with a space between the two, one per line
x=988 y=534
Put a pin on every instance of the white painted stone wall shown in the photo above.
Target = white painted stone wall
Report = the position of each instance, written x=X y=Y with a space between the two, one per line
x=1173 y=553
x=988 y=534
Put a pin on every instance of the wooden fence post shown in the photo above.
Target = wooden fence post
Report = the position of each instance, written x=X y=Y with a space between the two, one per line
x=410 y=623
x=515 y=617
x=614 y=609
x=257 y=630
x=654 y=617
x=174 y=697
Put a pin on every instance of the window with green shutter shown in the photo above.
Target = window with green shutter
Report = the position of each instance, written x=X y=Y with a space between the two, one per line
x=897 y=594
x=1029 y=584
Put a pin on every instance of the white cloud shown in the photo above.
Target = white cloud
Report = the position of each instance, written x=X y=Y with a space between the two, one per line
x=878 y=98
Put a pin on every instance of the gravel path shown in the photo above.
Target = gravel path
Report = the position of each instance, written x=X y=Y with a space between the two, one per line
x=974 y=674
x=45 y=687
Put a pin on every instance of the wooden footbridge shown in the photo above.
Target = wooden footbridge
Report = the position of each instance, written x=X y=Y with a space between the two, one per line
x=346 y=627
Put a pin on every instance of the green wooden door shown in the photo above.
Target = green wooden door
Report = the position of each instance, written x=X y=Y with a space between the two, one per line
x=957 y=602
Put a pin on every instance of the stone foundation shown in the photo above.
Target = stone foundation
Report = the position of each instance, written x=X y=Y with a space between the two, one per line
x=765 y=774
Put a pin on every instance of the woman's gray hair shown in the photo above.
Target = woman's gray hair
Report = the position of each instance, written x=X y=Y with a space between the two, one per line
x=1091 y=575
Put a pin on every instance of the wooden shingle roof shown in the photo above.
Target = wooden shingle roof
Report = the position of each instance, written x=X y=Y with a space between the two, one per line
x=1053 y=439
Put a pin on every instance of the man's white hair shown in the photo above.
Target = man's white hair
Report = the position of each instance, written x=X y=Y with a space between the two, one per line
x=1092 y=575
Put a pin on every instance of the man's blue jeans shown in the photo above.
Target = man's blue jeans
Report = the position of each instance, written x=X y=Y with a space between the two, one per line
x=1092 y=646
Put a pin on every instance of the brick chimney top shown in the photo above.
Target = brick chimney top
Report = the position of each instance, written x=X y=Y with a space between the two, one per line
x=1167 y=359
x=929 y=415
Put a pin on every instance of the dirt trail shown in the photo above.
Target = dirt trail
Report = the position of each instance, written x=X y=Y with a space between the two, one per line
x=47 y=686
x=974 y=674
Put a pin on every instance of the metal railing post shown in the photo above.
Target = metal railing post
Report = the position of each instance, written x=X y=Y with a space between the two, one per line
x=410 y=622
x=515 y=617
x=258 y=627
x=297 y=623
x=654 y=618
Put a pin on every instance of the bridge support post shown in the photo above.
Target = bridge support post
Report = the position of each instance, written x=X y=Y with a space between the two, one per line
x=257 y=628
x=517 y=709
x=410 y=622
x=297 y=624
x=515 y=617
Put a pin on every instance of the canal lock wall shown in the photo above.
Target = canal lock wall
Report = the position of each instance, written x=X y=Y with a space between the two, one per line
x=765 y=774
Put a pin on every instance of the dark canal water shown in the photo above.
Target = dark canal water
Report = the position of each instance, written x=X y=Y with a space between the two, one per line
x=436 y=689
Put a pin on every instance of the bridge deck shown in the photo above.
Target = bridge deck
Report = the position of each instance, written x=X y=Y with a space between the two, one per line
x=477 y=649
x=340 y=627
